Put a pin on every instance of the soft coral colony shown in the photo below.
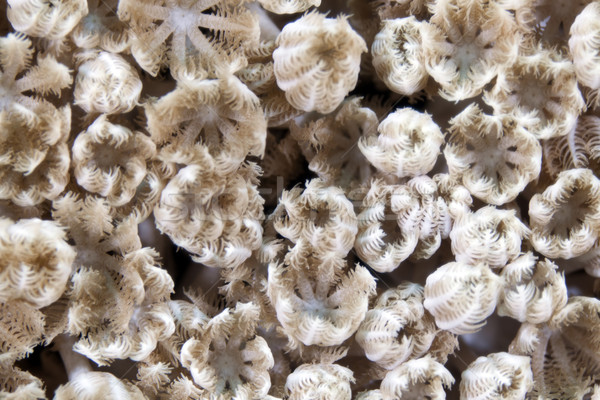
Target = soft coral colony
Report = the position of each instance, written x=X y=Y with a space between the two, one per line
x=365 y=185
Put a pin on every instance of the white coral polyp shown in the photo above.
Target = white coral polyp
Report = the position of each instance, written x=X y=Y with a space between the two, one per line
x=322 y=308
x=19 y=76
x=191 y=29
x=494 y=156
x=228 y=358
x=408 y=144
x=564 y=350
x=398 y=328
x=540 y=91
x=398 y=55
x=110 y=160
x=533 y=291
x=380 y=241
x=423 y=378
x=317 y=61
x=98 y=385
x=320 y=381
x=466 y=44
x=101 y=28
x=321 y=215
x=397 y=221
x=34 y=160
x=221 y=116
x=214 y=216
x=106 y=83
x=497 y=376
x=47 y=19
x=329 y=143
x=36 y=261
x=462 y=296
x=288 y=6
x=490 y=236
x=565 y=218
x=584 y=44
x=145 y=321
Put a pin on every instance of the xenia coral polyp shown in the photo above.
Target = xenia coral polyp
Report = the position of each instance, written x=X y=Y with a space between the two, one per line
x=299 y=199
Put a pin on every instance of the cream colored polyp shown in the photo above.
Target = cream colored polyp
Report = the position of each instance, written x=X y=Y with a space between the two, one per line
x=317 y=61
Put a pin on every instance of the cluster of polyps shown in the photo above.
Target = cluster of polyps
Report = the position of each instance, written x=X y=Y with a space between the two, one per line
x=310 y=162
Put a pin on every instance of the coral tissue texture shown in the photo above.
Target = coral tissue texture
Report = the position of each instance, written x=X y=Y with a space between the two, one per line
x=299 y=199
